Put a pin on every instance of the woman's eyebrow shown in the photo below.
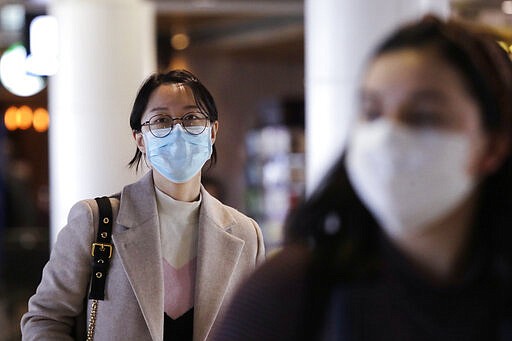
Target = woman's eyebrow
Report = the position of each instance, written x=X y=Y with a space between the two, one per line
x=158 y=109
x=190 y=106
x=429 y=94
x=186 y=107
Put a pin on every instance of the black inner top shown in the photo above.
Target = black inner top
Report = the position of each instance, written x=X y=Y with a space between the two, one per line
x=180 y=329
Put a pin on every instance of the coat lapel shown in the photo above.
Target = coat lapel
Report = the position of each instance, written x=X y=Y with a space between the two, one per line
x=217 y=257
x=140 y=251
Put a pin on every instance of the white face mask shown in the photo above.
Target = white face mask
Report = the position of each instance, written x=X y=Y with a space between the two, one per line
x=408 y=178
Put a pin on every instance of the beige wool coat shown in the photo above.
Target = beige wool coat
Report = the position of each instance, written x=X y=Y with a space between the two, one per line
x=230 y=247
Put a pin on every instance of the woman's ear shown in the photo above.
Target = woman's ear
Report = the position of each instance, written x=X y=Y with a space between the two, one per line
x=139 y=139
x=215 y=128
x=497 y=149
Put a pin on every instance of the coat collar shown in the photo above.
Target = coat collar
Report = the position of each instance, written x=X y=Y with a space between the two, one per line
x=140 y=251
x=138 y=203
x=218 y=253
x=138 y=246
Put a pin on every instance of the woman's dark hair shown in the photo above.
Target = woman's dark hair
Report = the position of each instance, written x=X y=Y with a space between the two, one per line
x=202 y=97
x=343 y=232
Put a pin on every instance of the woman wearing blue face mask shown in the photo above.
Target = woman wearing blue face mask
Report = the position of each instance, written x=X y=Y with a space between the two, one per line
x=177 y=253
x=409 y=236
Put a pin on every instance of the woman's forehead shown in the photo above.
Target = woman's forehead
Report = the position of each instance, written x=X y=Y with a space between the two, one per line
x=172 y=95
x=413 y=70
x=172 y=99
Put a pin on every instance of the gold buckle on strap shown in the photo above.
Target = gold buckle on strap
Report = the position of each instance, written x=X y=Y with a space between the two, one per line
x=102 y=248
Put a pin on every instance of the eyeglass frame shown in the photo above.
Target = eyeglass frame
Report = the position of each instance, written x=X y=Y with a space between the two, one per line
x=148 y=124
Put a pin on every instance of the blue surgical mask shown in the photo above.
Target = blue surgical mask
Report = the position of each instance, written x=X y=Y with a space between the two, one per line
x=179 y=155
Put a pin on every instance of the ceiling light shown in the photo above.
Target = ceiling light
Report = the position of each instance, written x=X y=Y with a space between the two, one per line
x=180 y=41
x=13 y=73
x=44 y=34
x=506 y=7
x=12 y=17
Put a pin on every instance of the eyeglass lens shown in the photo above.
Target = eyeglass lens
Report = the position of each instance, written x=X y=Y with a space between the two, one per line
x=193 y=123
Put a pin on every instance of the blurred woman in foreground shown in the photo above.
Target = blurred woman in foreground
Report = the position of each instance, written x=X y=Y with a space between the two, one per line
x=409 y=236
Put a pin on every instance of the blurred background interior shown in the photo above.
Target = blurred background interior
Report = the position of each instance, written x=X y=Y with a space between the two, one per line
x=249 y=53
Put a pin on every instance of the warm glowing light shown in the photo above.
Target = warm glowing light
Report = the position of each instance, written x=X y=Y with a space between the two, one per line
x=24 y=117
x=41 y=120
x=178 y=62
x=10 y=118
x=180 y=41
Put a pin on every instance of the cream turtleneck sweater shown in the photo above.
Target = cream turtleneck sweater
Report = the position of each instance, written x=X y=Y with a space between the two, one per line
x=178 y=235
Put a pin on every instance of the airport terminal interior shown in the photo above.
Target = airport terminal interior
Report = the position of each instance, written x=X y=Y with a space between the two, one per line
x=249 y=53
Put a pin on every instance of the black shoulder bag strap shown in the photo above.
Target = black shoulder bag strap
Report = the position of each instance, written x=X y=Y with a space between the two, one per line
x=101 y=252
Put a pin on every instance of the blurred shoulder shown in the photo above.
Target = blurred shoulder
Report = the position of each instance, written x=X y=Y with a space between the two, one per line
x=283 y=277
x=271 y=302
x=285 y=268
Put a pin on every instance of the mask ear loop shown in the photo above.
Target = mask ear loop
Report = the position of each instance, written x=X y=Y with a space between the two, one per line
x=144 y=157
x=146 y=161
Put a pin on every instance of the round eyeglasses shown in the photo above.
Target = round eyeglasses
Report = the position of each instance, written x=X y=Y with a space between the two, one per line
x=160 y=125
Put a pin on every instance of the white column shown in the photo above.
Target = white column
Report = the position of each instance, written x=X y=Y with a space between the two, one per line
x=339 y=36
x=106 y=49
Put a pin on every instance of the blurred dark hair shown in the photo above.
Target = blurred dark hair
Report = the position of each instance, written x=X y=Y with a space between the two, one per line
x=202 y=97
x=335 y=220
